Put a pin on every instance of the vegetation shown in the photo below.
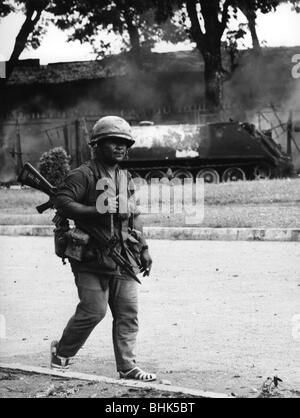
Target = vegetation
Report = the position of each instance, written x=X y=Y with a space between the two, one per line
x=138 y=22
x=265 y=204
x=54 y=165
x=31 y=30
x=142 y=23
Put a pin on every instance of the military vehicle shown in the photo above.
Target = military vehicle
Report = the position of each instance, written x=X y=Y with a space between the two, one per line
x=216 y=152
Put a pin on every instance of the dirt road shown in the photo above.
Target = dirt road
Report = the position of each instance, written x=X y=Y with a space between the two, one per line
x=216 y=316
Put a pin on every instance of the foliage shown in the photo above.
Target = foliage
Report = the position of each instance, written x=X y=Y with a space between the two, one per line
x=137 y=22
x=232 y=47
x=36 y=37
x=30 y=33
x=142 y=23
x=206 y=22
x=54 y=165
x=5 y=8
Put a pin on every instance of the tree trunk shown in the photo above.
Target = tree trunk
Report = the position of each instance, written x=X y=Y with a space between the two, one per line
x=33 y=14
x=22 y=38
x=251 y=17
x=255 y=40
x=134 y=36
x=135 y=44
x=32 y=17
x=209 y=45
x=213 y=77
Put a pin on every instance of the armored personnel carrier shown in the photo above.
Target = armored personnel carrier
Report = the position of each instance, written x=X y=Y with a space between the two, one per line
x=216 y=152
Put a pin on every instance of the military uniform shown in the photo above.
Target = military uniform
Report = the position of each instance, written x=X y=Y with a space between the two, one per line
x=98 y=279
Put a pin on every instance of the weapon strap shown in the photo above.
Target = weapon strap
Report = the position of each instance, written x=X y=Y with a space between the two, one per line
x=94 y=168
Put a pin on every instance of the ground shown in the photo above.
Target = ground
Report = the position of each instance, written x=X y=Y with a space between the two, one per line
x=215 y=316
x=16 y=384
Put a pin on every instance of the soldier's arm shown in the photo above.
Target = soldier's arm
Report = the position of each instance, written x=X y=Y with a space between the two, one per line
x=136 y=211
x=69 y=197
x=138 y=224
x=146 y=259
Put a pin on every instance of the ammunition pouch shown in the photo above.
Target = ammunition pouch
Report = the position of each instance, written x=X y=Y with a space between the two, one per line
x=77 y=244
x=60 y=241
x=105 y=261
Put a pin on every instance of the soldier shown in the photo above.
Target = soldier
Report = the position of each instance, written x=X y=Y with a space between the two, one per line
x=99 y=281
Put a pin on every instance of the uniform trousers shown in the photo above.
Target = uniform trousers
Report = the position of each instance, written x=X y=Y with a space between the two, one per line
x=96 y=292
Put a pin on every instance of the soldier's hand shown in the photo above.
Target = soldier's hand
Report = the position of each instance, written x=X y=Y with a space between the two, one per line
x=146 y=262
x=112 y=205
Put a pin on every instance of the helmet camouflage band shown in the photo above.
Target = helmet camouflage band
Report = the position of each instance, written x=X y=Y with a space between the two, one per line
x=112 y=127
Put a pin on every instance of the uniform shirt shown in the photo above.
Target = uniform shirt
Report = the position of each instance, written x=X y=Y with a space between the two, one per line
x=80 y=186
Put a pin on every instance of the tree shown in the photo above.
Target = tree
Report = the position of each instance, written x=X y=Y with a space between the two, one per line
x=208 y=21
x=250 y=8
x=132 y=19
x=251 y=15
x=231 y=46
x=32 y=10
x=5 y=8
x=87 y=18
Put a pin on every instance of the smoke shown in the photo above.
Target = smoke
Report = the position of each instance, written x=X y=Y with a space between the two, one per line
x=292 y=107
x=260 y=79
x=7 y=166
x=263 y=90
x=7 y=163
x=167 y=82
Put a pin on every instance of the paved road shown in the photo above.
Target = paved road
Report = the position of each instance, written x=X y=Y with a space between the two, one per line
x=215 y=315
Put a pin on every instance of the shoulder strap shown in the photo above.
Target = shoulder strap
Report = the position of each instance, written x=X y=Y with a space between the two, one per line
x=94 y=169
x=131 y=218
x=91 y=164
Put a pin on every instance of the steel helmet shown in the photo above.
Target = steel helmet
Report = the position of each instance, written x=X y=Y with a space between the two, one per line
x=112 y=126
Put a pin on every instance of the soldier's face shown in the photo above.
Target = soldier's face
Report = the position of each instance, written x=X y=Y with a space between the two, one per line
x=112 y=150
